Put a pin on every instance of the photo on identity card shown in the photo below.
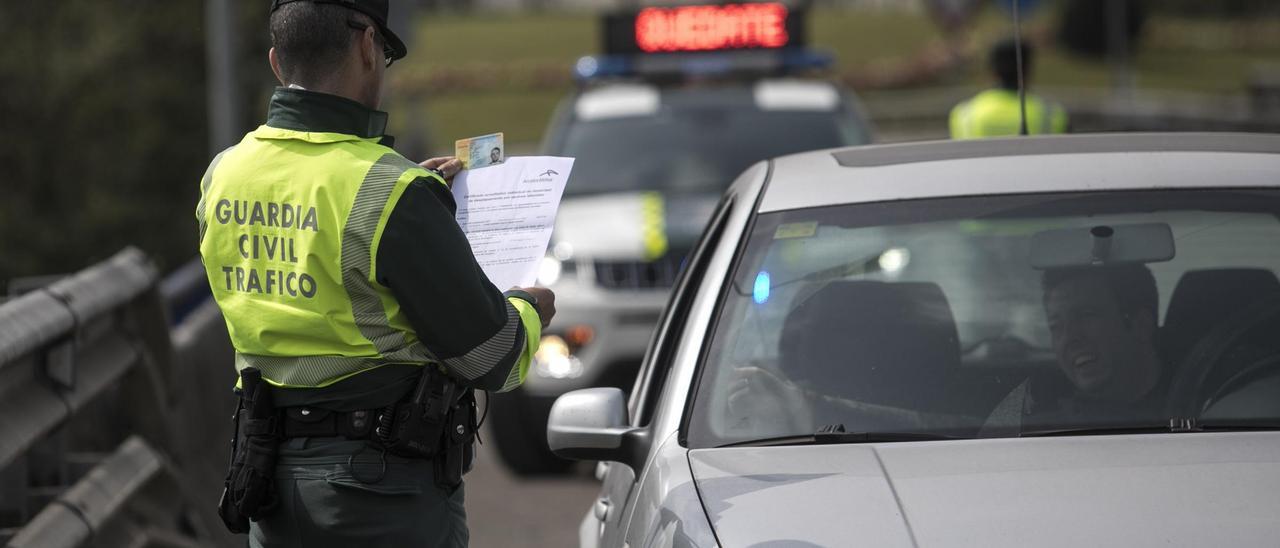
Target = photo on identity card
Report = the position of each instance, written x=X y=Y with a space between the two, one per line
x=478 y=152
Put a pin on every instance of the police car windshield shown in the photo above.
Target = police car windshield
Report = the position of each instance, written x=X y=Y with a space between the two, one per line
x=696 y=141
x=949 y=317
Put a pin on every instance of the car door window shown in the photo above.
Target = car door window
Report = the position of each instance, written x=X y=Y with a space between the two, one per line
x=653 y=371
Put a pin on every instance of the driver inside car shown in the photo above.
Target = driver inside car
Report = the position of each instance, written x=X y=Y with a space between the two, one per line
x=1102 y=322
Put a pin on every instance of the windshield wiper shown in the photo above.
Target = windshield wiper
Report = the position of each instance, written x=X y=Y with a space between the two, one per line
x=1238 y=425
x=1174 y=427
x=835 y=434
x=1098 y=431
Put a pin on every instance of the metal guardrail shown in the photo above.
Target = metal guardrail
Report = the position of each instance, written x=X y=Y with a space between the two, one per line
x=73 y=518
x=90 y=451
x=50 y=333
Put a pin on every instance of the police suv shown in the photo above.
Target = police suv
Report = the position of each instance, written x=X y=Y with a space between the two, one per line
x=682 y=100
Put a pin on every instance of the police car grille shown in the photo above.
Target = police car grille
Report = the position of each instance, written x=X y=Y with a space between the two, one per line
x=639 y=274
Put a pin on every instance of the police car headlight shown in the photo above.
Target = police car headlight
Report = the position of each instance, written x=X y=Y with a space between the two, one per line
x=562 y=251
x=554 y=360
x=549 y=270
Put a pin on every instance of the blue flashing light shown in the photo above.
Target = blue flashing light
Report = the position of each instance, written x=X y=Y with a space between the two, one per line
x=707 y=65
x=603 y=66
x=594 y=67
x=761 y=290
x=587 y=67
x=802 y=59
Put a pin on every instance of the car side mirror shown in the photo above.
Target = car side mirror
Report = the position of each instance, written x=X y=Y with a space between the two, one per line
x=591 y=424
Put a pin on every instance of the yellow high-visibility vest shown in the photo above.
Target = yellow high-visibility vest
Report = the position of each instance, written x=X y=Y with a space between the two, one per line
x=289 y=225
x=996 y=113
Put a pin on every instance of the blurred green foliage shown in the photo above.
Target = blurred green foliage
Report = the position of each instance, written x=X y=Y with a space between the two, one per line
x=103 y=111
x=104 y=130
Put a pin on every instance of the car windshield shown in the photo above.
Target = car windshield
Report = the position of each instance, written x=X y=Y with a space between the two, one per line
x=693 y=148
x=1000 y=316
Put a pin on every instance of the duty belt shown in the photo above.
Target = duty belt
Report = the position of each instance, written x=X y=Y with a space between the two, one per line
x=311 y=422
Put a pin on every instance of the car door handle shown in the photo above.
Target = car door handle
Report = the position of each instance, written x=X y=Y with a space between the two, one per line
x=601 y=509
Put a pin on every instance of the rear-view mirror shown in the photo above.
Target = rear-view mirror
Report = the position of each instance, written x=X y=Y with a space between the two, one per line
x=1102 y=245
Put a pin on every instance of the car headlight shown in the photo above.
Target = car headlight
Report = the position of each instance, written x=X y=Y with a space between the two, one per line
x=562 y=251
x=555 y=360
x=549 y=271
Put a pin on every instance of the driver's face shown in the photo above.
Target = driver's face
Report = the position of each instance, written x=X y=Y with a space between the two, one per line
x=493 y=155
x=1101 y=351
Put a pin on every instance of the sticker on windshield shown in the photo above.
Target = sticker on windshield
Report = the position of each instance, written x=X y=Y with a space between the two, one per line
x=796 y=230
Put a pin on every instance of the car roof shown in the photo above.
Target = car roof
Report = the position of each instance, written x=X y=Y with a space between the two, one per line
x=1063 y=163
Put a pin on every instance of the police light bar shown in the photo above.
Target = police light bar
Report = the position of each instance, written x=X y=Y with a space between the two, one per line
x=785 y=61
x=704 y=28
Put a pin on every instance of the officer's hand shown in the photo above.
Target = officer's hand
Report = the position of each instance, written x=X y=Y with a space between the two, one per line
x=448 y=166
x=546 y=303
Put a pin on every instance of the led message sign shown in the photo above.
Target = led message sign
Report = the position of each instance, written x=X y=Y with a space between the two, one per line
x=723 y=27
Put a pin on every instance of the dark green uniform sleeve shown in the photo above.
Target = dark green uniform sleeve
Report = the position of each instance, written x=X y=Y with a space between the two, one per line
x=484 y=338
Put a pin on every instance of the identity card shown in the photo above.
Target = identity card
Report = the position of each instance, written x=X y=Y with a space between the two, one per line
x=478 y=152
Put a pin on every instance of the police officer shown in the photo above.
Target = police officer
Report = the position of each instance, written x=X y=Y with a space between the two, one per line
x=997 y=112
x=343 y=276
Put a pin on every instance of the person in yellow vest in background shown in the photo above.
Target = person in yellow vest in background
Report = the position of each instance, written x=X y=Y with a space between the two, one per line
x=362 y=323
x=996 y=112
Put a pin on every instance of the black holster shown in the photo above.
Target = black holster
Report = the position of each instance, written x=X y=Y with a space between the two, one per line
x=249 y=491
x=458 y=445
x=437 y=422
x=413 y=427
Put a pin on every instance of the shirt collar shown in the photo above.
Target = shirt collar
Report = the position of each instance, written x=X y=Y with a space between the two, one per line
x=302 y=110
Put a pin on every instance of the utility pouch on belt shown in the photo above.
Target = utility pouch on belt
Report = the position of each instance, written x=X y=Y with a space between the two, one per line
x=249 y=490
x=413 y=428
x=457 y=447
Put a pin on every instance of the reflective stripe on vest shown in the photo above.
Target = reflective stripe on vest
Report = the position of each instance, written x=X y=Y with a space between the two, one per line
x=289 y=228
x=363 y=224
x=308 y=371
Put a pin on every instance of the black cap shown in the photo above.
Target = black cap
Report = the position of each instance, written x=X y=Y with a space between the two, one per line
x=375 y=9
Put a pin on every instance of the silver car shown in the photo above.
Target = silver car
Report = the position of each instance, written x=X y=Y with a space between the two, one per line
x=1058 y=341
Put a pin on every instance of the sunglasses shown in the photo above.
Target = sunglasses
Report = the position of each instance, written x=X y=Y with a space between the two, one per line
x=387 y=54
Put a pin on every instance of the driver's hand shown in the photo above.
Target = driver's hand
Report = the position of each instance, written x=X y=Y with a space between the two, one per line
x=769 y=401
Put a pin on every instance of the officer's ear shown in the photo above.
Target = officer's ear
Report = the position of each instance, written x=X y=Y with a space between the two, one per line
x=274 y=60
x=370 y=51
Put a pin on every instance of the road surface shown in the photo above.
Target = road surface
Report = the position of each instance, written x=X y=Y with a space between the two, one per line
x=507 y=511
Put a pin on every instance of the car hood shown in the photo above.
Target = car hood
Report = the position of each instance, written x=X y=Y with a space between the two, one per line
x=632 y=225
x=1143 y=490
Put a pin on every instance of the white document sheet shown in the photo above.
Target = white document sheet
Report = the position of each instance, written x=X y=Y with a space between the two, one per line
x=508 y=211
